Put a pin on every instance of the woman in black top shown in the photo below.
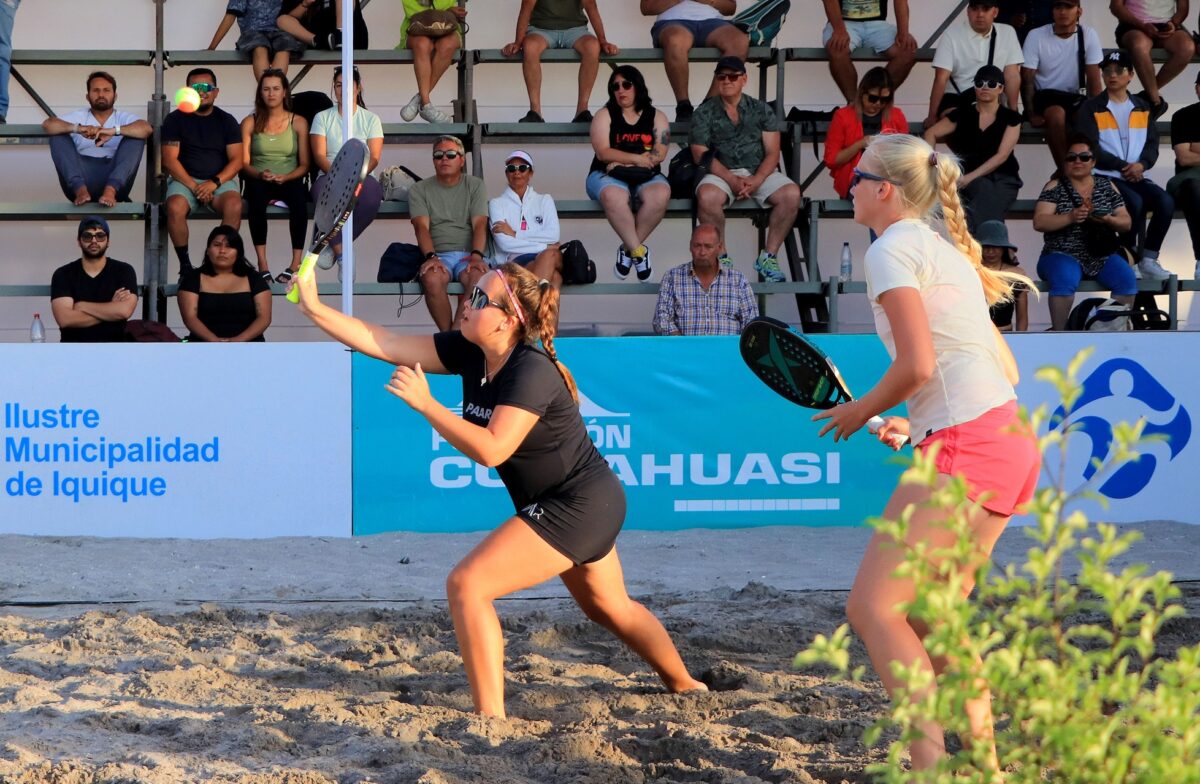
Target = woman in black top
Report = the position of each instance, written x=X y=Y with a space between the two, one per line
x=521 y=416
x=223 y=301
x=984 y=136
x=630 y=139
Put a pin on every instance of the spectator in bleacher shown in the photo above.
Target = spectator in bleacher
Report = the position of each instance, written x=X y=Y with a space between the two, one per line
x=202 y=154
x=326 y=140
x=1184 y=187
x=261 y=41
x=275 y=160
x=224 y=301
x=703 y=296
x=965 y=48
x=855 y=23
x=96 y=150
x=1080 y=215
x=683 y=24
x=93 y=296
x=629 y=137
x=984 y=135
x=1146 y=25
x=743 y=133
x=1121 y=129
x=432 y=56
x=1052 y=84
x=450 y=218
x=1025 y=15
x=8 y=13
x=559 y=24
x=318 y=23
x=524 y=223
x=1001 y=255
x=853 y=127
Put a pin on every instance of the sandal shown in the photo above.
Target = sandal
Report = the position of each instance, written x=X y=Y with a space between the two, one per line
x=285 y=277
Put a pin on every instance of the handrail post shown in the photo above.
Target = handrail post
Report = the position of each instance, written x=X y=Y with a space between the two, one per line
x=154 y=265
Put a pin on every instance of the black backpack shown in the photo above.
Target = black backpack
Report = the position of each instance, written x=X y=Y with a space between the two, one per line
x=577 y=267
x=400 y=263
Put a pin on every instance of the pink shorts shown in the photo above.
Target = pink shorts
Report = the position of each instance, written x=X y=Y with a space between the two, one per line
x=997 y=456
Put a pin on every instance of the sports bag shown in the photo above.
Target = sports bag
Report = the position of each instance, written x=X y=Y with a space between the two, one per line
x=763 y=20
x=577 y=267
x=400 y=263
x=396 y=181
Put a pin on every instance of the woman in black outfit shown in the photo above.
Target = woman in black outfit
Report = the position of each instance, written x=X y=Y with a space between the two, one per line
x=521 y=416
x=223 y=300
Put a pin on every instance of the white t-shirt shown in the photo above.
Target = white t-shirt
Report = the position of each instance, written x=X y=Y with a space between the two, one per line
x=1121 y=112
x=968 y=378
x=690 y=11
x=1152 y=10
x=87 y=147
x=365 y=125
x=962 y=52
x=1056 y=60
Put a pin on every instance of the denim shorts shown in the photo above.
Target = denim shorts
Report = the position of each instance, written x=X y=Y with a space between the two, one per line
x=598 y=181
x=700 y=30
x=559 y=39
x=456 y=261
x=877 y=34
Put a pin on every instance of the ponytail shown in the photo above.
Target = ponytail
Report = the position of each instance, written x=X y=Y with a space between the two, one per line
x=539 y=301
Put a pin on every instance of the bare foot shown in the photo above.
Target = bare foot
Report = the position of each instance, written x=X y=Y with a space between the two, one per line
x=695 y=685
x=109 y=197
x=82 y=196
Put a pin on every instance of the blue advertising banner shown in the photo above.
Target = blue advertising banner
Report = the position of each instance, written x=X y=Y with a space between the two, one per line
x=693 y=435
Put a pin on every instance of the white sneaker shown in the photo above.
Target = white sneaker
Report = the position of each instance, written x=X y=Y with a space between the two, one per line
x=430 y=113
x=1196 y=272
x=1150 y=268
x=409 y=112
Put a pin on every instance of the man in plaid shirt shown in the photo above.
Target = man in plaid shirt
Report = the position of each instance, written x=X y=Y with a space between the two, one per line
x=703 y=297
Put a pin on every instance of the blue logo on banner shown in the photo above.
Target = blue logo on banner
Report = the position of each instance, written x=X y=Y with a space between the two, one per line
x=1122 y=390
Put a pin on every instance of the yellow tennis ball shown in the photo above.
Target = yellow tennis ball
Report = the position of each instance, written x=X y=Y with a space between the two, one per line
x=187 y=100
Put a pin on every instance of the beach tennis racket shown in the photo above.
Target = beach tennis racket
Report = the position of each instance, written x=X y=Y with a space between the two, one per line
x=338 y=197
x=789 y=363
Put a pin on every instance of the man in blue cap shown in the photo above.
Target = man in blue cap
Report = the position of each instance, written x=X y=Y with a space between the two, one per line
x=93 y=296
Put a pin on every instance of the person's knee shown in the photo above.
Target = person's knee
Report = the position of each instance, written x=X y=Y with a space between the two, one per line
x=655 y=197
x=614 y=198
x=1056 y=116
x=1181 y=46
x=447 y=44
x=461 y=587
x=609 y=613
x=861 y=612
x=588 y=47
x=1138 y=44
x=899 y=58
x=786 y=199
x=420 y=44
x=475 y=270
x=177 y=208
x=435 y=279
x=711 y=199
x=733 y=42
x=675 y=40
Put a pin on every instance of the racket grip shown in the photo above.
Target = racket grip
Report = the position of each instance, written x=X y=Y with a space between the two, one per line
x=876 y=422
x=306 y=269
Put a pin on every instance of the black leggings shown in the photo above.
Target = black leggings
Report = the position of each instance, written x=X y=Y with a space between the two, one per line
x=292 y=193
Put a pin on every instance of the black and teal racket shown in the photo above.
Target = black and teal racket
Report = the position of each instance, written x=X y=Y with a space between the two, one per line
x=789 y=363
x=344 y=183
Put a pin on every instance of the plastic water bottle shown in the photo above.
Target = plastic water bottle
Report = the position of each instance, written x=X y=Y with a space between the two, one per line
x=847 y=271
x=37 y=332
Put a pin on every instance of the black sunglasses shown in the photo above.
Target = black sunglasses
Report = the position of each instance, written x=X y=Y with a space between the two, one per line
x=517 y=167
x=872 y=98
x=620 y=85
x=1082 y=157
x=451 y=154
x=725 y=76
x=860 y=175
x=480 y=300
x=986 y=84
x=88 y=236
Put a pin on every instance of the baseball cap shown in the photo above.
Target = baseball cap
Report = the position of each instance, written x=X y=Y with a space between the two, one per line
x=984 y=3
x=1117 y=57
x=989 y=73
x=1065 y=2
x=521 y=154
x=730 y=63
x=93 y=221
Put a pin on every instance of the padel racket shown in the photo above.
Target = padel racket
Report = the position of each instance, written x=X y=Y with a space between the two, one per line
x=793 y=366
x=338 y=197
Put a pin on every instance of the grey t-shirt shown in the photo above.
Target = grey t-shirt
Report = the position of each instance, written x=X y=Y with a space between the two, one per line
x=558 y=14
x=449 y=210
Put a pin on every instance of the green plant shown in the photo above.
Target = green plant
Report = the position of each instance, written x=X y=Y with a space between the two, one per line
x=1080 y=693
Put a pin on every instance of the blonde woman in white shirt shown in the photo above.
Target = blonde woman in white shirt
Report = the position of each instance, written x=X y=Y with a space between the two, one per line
x=930 y=299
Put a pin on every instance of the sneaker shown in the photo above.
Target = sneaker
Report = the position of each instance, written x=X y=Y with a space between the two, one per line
x=531 y=117
x=409 y=112
x=184 y=270
x=768 y=269
x=328 y=41
x=624 y=263
x=1196 y=272
x=337 y=262
x=1159 y=109
x=326 y=259
x=683 y=111
x=725 y=261
x=583 y=117
x=1151 y=269
x=432 y=114
x=642 y=264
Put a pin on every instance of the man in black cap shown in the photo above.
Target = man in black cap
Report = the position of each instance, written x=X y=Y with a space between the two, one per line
x=744 y=132
x=965 y=48
x=1184 y=187
x=92 y=297
x=1158 y=24
x=1122 y=131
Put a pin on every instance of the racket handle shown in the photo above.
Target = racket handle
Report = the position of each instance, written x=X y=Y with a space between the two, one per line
x=876 y=422
x=306 y=269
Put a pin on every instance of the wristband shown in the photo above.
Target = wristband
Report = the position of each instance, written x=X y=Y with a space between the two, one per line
x=216 y=180
x=431 y=255
x=477 y=252
x=117 y=131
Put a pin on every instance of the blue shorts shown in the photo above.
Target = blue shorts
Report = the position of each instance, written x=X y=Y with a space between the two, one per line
x=1063 y=273
x=455 y=260
x=559 y=39
x=524 y=259
x=700 y=30
x=598 y=181
x=877 y=34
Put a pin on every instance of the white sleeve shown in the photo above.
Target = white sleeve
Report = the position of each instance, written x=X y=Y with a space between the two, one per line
x=1008 y=48
x=893 y=262
x=505 y=244
x=943 y=55
x=1030 y=50
x=1093 y=53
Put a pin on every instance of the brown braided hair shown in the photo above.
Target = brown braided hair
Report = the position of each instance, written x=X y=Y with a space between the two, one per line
x=539 y=304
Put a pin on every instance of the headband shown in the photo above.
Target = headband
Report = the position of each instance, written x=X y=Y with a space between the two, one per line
x=516 y=304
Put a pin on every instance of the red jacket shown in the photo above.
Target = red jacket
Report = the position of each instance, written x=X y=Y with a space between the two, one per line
x=846 y=129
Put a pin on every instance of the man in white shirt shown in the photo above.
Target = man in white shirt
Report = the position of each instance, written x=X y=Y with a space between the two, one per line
x=1144 y=25
x=524 y=223
x=1052 y=84
x=96 y=150
x=682 y=24
x=964 y=49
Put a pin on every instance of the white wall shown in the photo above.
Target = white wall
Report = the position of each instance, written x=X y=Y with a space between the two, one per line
x=31 y=251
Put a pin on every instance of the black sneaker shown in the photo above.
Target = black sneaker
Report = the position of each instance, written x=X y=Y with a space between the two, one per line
x=642 y=265
x=683 y=111
x=185 y=270
x=624 y=263
x=583 y=117
x=1159 y=109
x=531 y=117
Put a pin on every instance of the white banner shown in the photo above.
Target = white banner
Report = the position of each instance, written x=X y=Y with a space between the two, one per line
x=161 y=440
